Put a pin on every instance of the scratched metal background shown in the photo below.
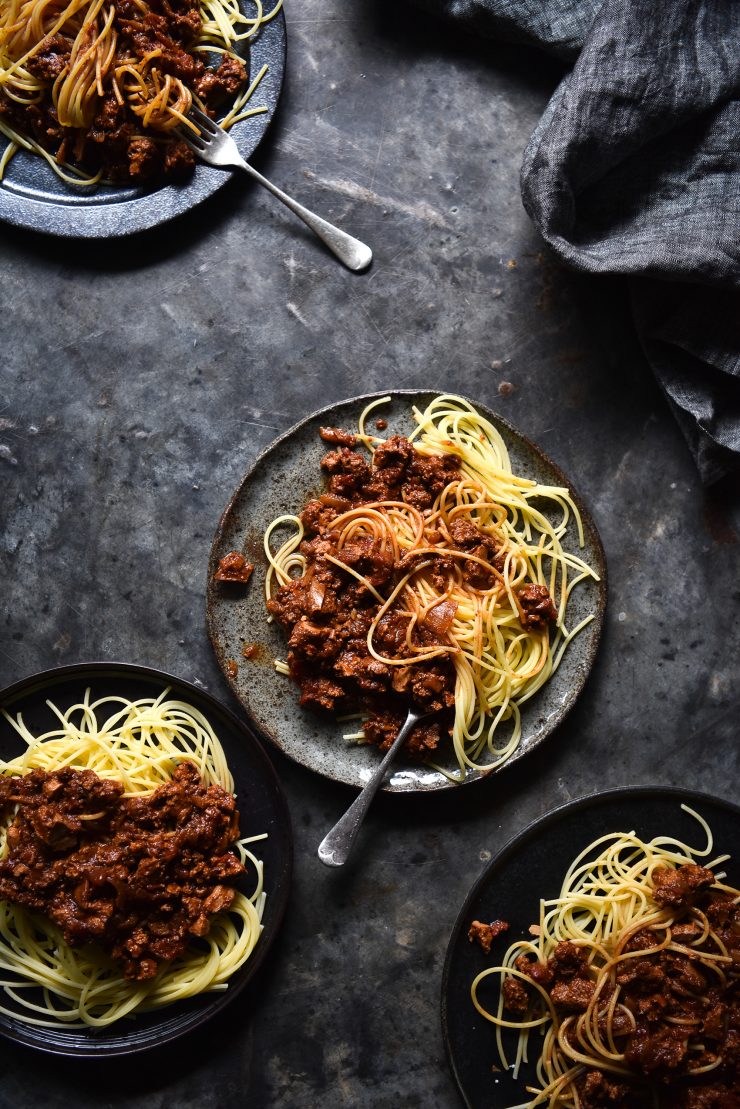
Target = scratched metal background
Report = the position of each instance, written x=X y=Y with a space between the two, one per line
x=140 y=380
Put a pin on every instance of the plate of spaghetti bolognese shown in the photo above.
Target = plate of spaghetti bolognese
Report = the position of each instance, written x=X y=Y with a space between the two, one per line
x=594 y=961
x=398 y=550
x=145 y=859
x=93 y=92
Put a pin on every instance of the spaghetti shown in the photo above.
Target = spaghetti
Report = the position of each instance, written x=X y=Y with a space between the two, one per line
x=455 y=570
x=143 y=745
x=99 y=87
x=632 y=980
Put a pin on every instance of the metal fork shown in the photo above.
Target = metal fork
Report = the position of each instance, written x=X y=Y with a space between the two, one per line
x=216 y=147
x=336 y=845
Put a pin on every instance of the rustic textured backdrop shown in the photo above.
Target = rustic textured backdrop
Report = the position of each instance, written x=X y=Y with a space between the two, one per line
x=139 y=381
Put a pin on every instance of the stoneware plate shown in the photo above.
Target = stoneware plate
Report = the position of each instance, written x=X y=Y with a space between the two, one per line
x=32 y=196
x=530 y=867
x=282 y=480
x=262 y=808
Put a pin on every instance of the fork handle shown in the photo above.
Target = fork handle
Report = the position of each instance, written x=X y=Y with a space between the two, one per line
x=354 y=254
x=335 y=847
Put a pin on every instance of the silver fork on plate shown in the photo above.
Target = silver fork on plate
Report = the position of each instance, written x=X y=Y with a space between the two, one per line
x=336 y=845
x=216 y=147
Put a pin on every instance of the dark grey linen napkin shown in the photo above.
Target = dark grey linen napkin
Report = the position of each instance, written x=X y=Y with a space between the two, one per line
x=634 y=169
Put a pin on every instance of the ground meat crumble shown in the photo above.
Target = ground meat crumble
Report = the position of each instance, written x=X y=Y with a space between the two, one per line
x=485 y=934
x=233 y=568
x=139 y=876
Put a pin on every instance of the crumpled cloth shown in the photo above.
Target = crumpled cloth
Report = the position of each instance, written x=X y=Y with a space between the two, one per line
x=634 y=169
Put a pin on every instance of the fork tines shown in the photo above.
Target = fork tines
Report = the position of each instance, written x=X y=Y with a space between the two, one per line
x=206 y=126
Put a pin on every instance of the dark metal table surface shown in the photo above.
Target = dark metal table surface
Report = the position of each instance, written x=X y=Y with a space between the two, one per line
x=139 y=381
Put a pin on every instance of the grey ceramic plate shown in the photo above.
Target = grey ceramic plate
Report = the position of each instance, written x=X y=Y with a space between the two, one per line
x=32 y=196
x=284 y=477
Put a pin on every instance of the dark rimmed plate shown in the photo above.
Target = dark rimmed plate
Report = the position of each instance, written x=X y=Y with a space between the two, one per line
x=262 y=808
x=32 y=196
x=283 y=478
x=530 y=867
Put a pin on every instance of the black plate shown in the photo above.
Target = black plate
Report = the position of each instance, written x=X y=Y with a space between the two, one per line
x=262 y=809
x=530 y=867
x=32 y=196
x=282 y=480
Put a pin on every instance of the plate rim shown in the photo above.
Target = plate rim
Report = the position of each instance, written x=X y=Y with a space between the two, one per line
x=523 y=837
x=281 y=895
x=34 y=213
x=590 y=530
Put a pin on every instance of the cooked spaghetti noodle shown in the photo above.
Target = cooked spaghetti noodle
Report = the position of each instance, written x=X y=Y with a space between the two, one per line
x=481 y=573
x=631 y=979
x=137 y=743
x=99 y=87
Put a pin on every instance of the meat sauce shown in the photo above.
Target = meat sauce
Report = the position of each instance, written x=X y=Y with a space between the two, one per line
x=139 y=876
x=233 y=569
x=683 y=1016
x=116 y=143
x=484 y=934
x=328 y=612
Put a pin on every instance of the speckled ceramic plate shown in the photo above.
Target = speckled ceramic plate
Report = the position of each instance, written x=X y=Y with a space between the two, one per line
x=32 y=196
x=282 y=480
x=530 y=867
x=262 y=809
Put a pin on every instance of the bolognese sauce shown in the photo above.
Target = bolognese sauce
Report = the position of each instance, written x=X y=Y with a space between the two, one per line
x=139 y=876
x=329 y=611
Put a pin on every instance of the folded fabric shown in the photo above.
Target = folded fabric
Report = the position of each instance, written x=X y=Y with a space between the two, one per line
x=635 y=169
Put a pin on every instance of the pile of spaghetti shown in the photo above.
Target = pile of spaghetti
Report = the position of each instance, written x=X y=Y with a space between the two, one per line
x=120 y=864
x=634 y=979
x=430 y=576
x=98 y=87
